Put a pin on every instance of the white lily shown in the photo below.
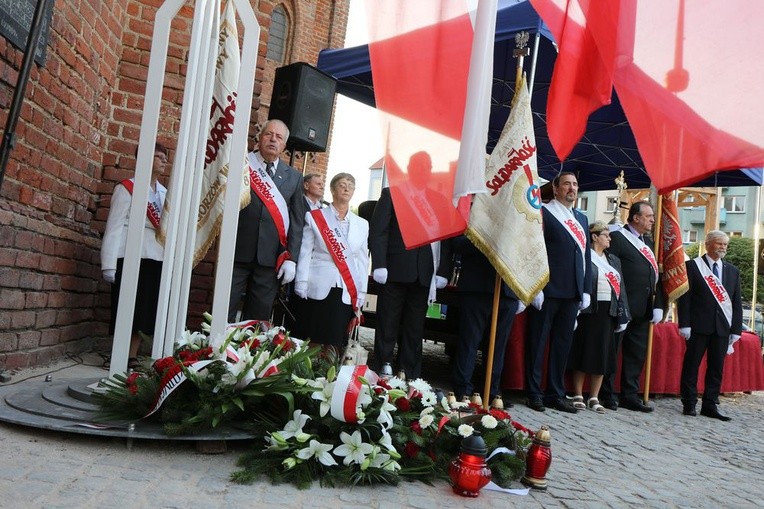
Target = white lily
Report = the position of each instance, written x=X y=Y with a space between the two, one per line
x=194 y=340
x=294 y=427
x=324 y=395
x=319 y=451
x=387 y=442
x=353 y=448
x=384 y=418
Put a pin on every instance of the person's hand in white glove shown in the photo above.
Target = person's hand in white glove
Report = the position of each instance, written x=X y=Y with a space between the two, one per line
x=286 y=272
x=520 y=307
x=440 y=282
x=622 y=327
x=109 y=275
x=360 y=301
x=730 y=348
x=657 y=315
x=538 y=300
x=685 y=332
x=586 y=300
x=301 y=289
x=380 y=276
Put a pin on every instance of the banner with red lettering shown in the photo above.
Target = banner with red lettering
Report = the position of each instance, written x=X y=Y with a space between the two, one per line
x=420 y=60
x=505 y=222
x=671 y=252
x=218 y=149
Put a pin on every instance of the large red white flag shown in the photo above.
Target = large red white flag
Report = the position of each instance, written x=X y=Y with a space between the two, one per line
x=505 y=222
x=686 y=75
x=420 y=57
x=218 y=149
x=671 y=252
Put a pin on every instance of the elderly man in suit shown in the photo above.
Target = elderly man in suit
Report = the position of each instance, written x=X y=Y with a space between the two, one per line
x=270 y=228
x=645 y=296
x=711 y=320
x=313 y=189
x=554 y=309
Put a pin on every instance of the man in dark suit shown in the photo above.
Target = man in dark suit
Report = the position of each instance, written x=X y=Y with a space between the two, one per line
x=645 y=296
x=265 y=252
x=477 y=279
x=313 y=189
x=555 y=308
x=711 y=320
x=408 y=281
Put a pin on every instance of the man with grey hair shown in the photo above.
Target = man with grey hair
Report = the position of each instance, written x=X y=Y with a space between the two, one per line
x=711 y=320
x=269 y=232
x=313 y=189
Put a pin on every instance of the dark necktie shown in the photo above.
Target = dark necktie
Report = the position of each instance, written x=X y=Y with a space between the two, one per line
x=269 y=168
x=715 y=269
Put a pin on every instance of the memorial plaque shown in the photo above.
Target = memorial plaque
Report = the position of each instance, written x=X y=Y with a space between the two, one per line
x=16 y=22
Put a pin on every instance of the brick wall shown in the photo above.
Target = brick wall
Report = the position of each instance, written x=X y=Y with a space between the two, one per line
x=76 y=138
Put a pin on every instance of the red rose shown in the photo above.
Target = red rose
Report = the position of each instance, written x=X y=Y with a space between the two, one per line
x=163 y=364
x=410 y=449
x=383 y=383
x=403 y=404
x=416 y=428
x=130 y=383
x=378 y=390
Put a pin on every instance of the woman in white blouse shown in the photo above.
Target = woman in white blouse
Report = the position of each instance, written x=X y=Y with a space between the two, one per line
x=113 y=247
x=332 y=270
x=594 y=339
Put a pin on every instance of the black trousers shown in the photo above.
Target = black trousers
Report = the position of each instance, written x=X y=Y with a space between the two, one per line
x=401 y=312
x=259 y=286
x=633 y=342
x=715 y=348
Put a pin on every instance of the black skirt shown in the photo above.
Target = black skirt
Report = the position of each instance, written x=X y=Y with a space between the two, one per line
x=593 y=341
x=324 y=321
x=146 y=297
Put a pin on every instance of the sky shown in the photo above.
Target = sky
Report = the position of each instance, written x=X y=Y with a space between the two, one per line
x=356 y=141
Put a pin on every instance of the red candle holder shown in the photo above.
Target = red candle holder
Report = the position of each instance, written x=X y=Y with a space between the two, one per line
x=469 y=471
x=537 y=460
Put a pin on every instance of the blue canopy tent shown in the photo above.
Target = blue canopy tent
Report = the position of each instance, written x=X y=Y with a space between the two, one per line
x=608 y=145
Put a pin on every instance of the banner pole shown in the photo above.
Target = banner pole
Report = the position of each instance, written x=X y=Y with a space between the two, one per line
x=649 y=358
x=491 y=342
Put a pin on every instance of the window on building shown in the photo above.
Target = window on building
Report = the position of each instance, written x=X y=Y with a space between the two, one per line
x=734 y=204
x=735 y=234
x=612 y=204
x=689 y=236
x=277 y=35
x=583 y=203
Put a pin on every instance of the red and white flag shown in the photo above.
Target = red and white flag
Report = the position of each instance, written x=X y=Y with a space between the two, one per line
x=420 y=59
x=218 y=149
x=505 y=222
x=671 y=252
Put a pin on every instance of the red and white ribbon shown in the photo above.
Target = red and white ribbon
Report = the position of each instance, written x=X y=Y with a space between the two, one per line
x=347 y=390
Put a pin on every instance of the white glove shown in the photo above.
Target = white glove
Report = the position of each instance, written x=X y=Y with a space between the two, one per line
x=301 y=289
x=621 y=327
x=359 y=301
x=575 y=324
x=685 y=332
x=538 y=300
x=380 y=276
x=586 y=300
x=520 y=307
x=286 y=271
x=730 y=348
x=109 y=275
x=657 y=315
x=440 y=282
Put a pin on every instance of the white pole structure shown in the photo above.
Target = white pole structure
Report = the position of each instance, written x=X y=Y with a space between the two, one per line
x=198 y=86
x=227 y=240
x=186 y=175
x=756 y=240
x=143 y=164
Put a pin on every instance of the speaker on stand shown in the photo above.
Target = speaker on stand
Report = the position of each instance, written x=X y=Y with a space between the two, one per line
x=303 y=98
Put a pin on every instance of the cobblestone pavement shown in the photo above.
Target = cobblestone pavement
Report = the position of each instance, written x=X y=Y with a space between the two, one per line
x=620 y=459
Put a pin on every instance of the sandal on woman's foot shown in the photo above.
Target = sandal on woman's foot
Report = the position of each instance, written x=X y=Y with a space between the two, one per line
x=594 y=405
x=133 y=363
x=578 y=403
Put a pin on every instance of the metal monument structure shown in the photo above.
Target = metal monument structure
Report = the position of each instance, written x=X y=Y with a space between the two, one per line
x=186 y=175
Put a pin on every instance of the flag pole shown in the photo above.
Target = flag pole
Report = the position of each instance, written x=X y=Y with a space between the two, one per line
x=649 y=358
x=521 y=39
x=756 y=256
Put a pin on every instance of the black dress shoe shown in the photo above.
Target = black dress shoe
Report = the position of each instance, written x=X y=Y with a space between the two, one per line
x=714 y=413
x=561 y=406
x=637 y=405
x=535 y=404
x=610 y=404
x=689 y=410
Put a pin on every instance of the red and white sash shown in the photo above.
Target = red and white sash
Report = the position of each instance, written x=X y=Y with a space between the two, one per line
x=153 y=210
x=263 y=186
x=337 y=246
x=612 y=275
x=643 y=249
x=717 y=288
x=568 y=220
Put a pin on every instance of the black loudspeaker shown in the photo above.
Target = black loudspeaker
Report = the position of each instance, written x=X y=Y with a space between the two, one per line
x=303 y=98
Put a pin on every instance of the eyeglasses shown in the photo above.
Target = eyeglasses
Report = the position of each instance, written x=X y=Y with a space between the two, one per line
x=161 y=157
x=606 y=234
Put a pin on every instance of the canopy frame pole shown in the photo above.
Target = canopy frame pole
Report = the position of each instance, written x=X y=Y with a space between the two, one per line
x=650 y=331
x=756 y=256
